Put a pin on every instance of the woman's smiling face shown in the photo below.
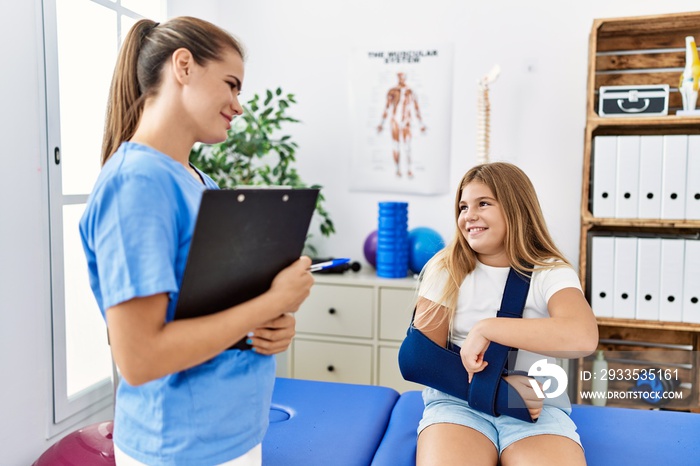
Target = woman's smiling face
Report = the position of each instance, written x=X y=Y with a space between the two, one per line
x=212 y=96
x=482 y=223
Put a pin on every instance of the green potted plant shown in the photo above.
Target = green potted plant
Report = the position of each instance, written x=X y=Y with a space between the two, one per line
x=255 y=154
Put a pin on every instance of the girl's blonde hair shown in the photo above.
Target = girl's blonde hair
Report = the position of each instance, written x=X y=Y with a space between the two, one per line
x=137 y=74
x=527 y=242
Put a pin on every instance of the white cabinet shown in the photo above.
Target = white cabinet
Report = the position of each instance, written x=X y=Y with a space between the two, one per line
x=393 y=304
x=350 y=330
x=344 y=311
x=332 y=361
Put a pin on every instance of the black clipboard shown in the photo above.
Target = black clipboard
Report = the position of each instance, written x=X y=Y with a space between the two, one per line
x=242 y=238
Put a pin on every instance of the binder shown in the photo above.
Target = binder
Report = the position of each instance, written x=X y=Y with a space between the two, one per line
x=650 y=172
x=648 y=278
x=691 y=282
x=692 y=198
x=625 y=271
x=674 y=176
x=671 y=286
x=602 y=275
x=604 y=176
x=627 y=179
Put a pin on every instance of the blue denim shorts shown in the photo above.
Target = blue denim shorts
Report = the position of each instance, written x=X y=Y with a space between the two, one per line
x=502 y=430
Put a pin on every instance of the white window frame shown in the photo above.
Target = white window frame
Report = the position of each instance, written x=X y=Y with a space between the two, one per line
x=66 y=410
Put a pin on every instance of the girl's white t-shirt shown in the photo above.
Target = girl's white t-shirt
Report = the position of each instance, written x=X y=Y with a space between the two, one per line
x=482 y=290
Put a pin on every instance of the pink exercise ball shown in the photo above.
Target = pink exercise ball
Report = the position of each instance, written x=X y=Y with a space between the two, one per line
x=92 y=445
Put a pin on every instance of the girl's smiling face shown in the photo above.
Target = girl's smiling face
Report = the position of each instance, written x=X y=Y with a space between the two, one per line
x=483 y=225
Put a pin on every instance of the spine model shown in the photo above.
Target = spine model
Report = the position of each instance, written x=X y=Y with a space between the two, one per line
x=483 y=119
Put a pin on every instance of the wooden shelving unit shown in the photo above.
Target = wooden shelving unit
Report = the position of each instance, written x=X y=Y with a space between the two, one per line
x=639 y=51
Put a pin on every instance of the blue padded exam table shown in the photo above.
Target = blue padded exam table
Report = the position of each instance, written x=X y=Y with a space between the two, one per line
x=324 y=423
x=334 y=424
x=610 y=436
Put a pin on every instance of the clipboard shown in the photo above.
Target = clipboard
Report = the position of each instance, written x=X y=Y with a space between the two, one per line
x=242 y=239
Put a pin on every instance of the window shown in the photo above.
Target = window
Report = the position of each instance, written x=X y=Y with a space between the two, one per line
x=81 y=42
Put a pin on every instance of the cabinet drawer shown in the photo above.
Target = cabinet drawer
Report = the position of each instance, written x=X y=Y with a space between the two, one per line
x=395 y=310
x=389 y=372
x=332 y=362
x=337 y=310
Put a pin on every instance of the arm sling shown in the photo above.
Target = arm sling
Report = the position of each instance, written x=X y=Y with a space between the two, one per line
x=423 y=361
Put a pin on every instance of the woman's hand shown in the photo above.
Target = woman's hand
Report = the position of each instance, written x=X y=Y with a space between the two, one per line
x=290 y=287
x=293 y=284
x=521 y=384
x=473 y=350
x=274 y=336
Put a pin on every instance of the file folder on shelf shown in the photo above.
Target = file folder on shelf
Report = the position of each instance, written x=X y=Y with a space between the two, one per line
x=624 y=302
x=648 y=278
x=650 y=170
x=692 y=198
x=691 y=282
x=604 y=175
x=671 y=283
x=627 y=179
x=674 y=177
x=602 y=275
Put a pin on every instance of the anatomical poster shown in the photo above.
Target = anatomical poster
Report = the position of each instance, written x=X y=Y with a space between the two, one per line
x=400 y=100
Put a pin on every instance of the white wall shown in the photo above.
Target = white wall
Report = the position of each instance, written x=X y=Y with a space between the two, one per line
x=303 y=45
x=537 y=104
x=25 y=325
x=24 y=335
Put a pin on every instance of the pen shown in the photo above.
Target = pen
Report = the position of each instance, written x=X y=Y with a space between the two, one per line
x=327 y=264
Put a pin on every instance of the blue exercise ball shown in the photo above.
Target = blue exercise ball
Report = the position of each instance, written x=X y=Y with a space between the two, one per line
x=423 y=243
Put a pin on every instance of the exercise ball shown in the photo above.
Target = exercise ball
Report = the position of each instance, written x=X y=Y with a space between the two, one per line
x=92 y=445
x=423 y=243
x=370 y=248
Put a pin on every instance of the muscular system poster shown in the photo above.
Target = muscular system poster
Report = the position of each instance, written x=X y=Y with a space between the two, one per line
x=400 y=100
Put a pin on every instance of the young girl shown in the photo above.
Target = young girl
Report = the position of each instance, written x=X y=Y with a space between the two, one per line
x=184 y=399
x=499 y=226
